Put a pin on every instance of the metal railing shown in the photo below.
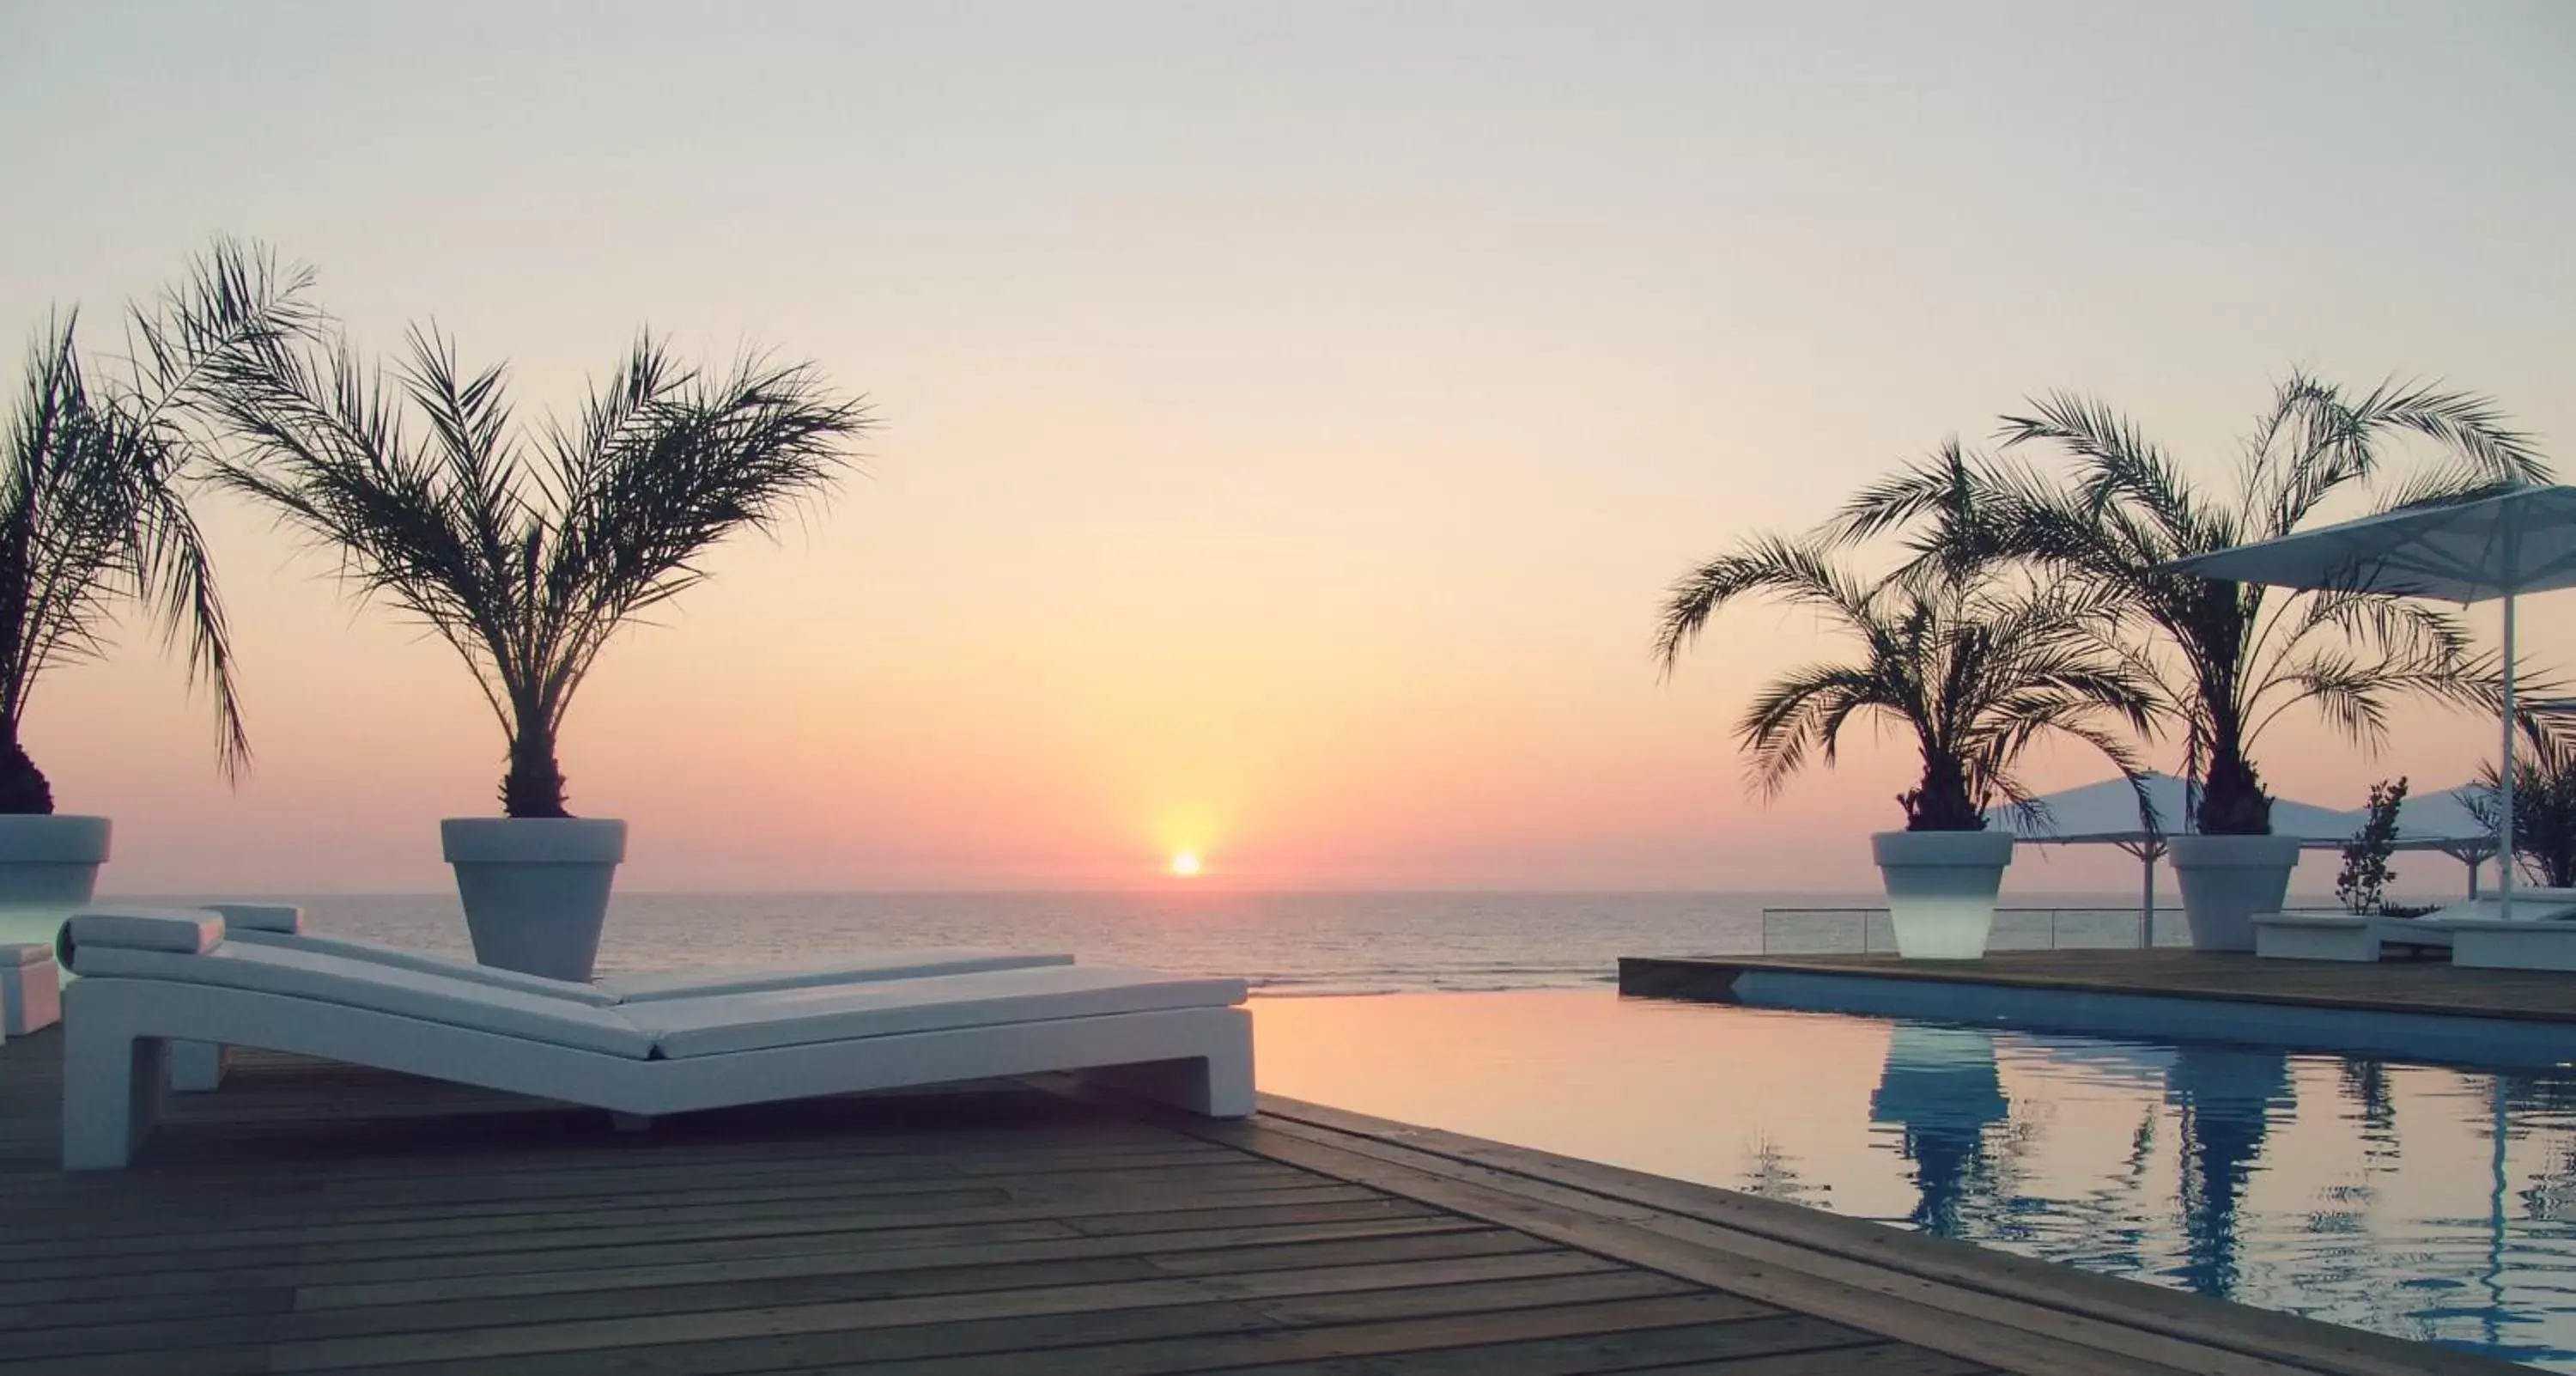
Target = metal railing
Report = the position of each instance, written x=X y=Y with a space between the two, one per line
x=1838 y=931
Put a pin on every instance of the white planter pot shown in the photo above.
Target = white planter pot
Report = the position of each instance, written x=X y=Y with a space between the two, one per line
x=2227 y=880
x=1941 y=889
x=535 y=889
x=48 y=870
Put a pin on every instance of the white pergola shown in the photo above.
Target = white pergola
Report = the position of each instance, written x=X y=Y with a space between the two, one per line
x=2107 y=813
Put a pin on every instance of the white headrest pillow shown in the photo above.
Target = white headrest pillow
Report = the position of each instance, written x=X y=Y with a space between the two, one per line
x=183 y=931
x=258 y=917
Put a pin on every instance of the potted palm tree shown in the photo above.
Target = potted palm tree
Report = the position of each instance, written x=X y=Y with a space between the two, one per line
x=2228 y=659
x=93 y=515
x=1976 y=671
x=527 y=553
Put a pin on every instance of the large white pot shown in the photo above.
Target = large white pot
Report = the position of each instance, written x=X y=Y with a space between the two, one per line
x=2227 y=881
x=1941 y=888
x=48 y=870
x=535 y=888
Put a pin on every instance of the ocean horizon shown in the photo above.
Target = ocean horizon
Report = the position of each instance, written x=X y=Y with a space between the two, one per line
x=1284 y=942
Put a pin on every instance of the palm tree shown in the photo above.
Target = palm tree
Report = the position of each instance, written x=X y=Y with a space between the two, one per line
x=2228 y=659
x=93 y=509
x=1976 y=672
x=2544 y=803
x=527 y=552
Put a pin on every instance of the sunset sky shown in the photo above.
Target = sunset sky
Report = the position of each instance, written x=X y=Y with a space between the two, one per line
x=1291 y=414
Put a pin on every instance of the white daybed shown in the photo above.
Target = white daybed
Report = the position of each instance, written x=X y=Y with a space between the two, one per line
x=2340 y=936
x=151 y=977
x=2486 y=944
x=198 y=1067
x=2541 y=934
x=2537 y=913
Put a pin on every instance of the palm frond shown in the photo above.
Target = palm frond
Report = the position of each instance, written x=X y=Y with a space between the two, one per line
x=528 y=556
x=1978 y=671
x=1801 y=574
x=93 y=509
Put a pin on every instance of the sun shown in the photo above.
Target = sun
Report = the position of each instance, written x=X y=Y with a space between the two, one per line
x=1185 y=865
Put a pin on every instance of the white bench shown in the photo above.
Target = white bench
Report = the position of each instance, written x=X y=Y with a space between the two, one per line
x=30 y=989
x=2490 y=944
x=2340 y=936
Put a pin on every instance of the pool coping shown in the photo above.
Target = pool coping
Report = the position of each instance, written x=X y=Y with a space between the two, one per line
x=2485 y=1037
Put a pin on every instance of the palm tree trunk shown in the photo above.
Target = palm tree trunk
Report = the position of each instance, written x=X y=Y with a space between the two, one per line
x=1941 y=801
x=2232 y=802
x=534 y=787
x=23 y=790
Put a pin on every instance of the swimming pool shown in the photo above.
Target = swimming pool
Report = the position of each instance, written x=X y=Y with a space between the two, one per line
x=2428 y=1202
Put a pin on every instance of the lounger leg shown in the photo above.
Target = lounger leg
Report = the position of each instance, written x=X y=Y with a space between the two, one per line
x=198 y=1067
x=112 y=1091
x=1218 y=1085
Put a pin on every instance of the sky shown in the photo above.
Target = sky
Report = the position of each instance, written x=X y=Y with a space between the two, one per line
x=1290 y=415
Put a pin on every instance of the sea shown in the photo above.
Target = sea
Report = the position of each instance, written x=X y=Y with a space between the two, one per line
x=1283 y=943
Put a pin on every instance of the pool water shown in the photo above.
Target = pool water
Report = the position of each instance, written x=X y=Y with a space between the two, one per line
x=2434 y=1203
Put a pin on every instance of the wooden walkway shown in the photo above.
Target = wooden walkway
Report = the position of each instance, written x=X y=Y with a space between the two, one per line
x=316 y=1218
x=2392 y=986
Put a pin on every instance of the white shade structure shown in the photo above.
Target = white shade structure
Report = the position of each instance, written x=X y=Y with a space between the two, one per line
x=2440 y=819
x=2108 y=814
x=2515 y=541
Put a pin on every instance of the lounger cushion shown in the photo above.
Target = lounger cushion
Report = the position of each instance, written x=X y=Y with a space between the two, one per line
x=276 y=969
x=399 y=958
x=257 y=917
x=186 y=931
x=831 y=1013
x=690 y=984
x=2545 y=905
x=666 y=984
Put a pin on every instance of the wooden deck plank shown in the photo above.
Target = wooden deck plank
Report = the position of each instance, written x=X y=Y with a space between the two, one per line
x=43 y=1304
x=1554 y=1341
x=2395 y=986
x=495 y=1344
x=318 y=1218
x=1878 y=1359
x=1179 y=1252
x=1243 y=1182
x=416 y=1306
x=1072 y=1340
x=837 y=1302
x=1141 y=1210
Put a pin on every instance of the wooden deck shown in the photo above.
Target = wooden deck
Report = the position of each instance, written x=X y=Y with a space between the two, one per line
x=2392 y=986
x=315 y=1218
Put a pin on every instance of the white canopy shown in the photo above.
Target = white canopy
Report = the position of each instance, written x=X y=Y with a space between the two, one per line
x=2520 y=540
x=2107 y=813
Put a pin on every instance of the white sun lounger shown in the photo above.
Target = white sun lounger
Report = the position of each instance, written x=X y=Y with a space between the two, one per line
x=2541 y=934
x=2340 y=936
x=2543 y=927
x=152 y=977
x=198 y=1067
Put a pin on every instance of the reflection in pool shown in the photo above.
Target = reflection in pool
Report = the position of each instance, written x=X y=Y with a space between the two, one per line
x=2427 y=1202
